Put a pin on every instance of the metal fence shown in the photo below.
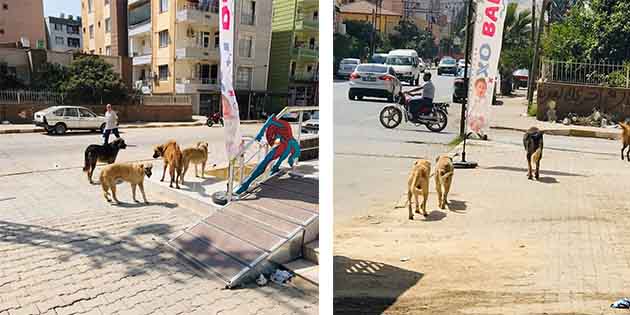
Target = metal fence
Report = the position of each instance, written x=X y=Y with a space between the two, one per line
x=165 y=100
x=30 y=97
x=599 y=74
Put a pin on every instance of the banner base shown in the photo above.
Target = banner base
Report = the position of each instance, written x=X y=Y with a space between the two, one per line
x=220 y=198
x=465 y=164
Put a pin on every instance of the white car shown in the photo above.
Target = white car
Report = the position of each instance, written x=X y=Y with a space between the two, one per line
x=346 y=67
x=461 y=63
x=375 y=80
x=59 y=119
x=406 y=64
x=311 y=126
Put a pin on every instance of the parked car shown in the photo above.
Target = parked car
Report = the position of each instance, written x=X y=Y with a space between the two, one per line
x=295 y=117
x=461 y=63
x=346 y=67
x=311 y=125
x=406 y=64
x=379 y=58
x=521 y=77
x=374 y=80
x=447 y=65
x=59 y=119
x=460 y=90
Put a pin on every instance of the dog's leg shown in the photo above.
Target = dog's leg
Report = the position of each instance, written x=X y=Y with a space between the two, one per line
x=438 y=188
x=133 y=192
x=196 y=171
x=529 y=166
x=425 y=196
x=409 y=202
x=113 y=187
x=628 y=155
x=164 y=171
x=416 y=195
x=171 y=171
x=178 y=175
x=203 y=169
x=142 y=191
x=105 y=191
x=537 y=157
x=625 y=145
x=447 y=186
x=186 y=165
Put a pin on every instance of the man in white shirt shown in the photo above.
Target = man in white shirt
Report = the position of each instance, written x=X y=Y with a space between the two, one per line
x=111 y=123
x=422 y=105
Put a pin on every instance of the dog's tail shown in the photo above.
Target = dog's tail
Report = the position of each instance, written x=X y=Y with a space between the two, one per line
x=86 y=166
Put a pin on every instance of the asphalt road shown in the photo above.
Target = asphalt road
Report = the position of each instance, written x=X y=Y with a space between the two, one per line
x=371 y=163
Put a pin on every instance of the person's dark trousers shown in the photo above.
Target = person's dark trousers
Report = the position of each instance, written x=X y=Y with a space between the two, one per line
x=416 y=106
x=107 y=132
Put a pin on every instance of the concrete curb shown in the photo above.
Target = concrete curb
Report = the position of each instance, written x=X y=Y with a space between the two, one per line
x=610 y=135
x=165 y=125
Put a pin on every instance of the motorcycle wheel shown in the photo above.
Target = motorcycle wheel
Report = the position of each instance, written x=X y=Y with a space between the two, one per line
x=209 y=122
x=390 y=117
x=440 y=124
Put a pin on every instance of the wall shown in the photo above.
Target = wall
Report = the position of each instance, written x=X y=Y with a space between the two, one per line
x=23 y=18
x=581 y=99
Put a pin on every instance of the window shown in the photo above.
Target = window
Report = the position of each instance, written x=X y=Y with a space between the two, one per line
x=57 y=27
x=72 y=29
x=164 y=39
x=248 y=13
x=59 y=41
x=244 y=78
x=91 y=31
x=216 y=39
x=58 y=112
x=5 y=6
x=90 y=6
x=245 y=47
x=74 y=42
x=100 y=51
x=108 y=25
x=70 y=112
x=86 y=113
x=108 y=50
x=84 y=30
x=163 y=70
x=163 y=6
x=203 y=40
x=1 y=31
x=315 y=15
x=106 y=2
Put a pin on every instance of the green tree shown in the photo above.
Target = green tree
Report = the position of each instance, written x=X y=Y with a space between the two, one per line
x=9 y=80
x=408 y=35
x=516 y=51
x=92 y=80
x=51 y=76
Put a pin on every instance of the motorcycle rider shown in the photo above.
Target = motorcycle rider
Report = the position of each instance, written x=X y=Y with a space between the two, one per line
x=426 y=100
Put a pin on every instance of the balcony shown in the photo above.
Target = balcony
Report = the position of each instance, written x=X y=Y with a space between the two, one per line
x=248 y=19
x=144 y=86
x=190 y=49
x=305 y=77
x=142 y=28
x=307 y=24
x=142 y=59
x=305 y=53
x=190 y=86
x=198 y=15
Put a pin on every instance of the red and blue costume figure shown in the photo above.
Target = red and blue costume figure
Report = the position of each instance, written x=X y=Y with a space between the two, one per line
x=274 y=130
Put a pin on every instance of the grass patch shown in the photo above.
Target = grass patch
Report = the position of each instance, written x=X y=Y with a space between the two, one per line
x=532 y=110
x=456 y=141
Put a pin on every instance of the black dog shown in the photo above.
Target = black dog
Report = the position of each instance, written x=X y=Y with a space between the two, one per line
x=533 y=141
x=101 y=153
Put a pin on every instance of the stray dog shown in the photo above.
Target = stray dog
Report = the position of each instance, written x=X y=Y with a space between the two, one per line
x=172 y=156
x=132 y=173
x=195 y=155
x=625 y=139
x=419 y=184
x=443 y=178
x=533 y=141
x=106 y=153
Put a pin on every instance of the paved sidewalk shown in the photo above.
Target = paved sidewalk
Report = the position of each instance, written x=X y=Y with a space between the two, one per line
x=506 y=246
x=512 y=115
x=64 y=250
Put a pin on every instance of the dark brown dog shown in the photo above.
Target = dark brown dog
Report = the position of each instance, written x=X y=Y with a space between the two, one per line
x=533 y=141
x=172 y=157
x=105 y=153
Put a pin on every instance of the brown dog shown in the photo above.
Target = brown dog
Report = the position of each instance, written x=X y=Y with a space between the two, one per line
x=131 y=173
x=444 y=171
x=172 y=157
x=195 y=155
x=533 y=141
x=625 y=139
x=419 y=184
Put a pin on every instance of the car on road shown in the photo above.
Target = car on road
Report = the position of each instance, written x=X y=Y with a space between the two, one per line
x=521 y=77
x=379 y=58
x=346 y=67
x=461 y=63
x=312 y=125
x=375 y=80
x=406 y=64
x=447 y=65
x=59 y=119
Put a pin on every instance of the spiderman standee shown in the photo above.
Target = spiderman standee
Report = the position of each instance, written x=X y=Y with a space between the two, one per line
x=274 y=129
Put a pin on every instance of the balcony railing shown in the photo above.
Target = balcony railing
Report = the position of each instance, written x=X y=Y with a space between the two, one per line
x=247 y=19
x=305 y=77
x=306 y=52
x=203 y=6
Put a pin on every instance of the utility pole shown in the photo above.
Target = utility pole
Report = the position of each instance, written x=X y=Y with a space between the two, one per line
x=533 y=21
x=533 y=74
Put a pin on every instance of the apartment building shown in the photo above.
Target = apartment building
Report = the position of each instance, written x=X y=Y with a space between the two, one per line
x=175 y=48
x=23 y=21
x=63 y=33
x=294 y=62
x=104 y=27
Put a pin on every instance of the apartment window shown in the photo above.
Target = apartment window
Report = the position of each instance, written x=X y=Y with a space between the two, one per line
x=315 y=15
x=74 y=42
x=163 y=6
x=100 y=51
x=164 y=39
x=245 y=46
x=91 y=31
x=244 y=78
x=72 y=29
x=59 y=41
x=106 y=2
x=108 y=50
x=249 y=12
x=108 y=25
x=57 y=27
x=163 y=70
x=216 y=39
x=203 y=40
x=90 y=6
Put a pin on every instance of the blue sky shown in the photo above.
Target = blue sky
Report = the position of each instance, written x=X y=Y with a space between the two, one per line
x=54 y=7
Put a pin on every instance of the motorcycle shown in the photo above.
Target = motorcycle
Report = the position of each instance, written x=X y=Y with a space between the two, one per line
x=435 y=119
x=214 y=118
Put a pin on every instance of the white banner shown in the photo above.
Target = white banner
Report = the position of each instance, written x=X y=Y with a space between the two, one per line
x=487 y=40
x=229 y=104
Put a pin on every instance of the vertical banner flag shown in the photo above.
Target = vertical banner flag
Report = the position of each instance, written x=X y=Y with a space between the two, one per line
x=487 y=40
x=229 y=104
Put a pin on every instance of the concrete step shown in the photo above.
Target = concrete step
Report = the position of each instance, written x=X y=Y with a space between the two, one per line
x=305 y=270
x=310 y=251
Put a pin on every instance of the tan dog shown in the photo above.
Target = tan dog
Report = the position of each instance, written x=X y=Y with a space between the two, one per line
x=197 y=155
x=131 y=173
x=419 y=184
x=444 y=171
x=172 y=156
x=625 y=139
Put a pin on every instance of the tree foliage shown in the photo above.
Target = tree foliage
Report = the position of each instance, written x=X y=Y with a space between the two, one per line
x=9 y=80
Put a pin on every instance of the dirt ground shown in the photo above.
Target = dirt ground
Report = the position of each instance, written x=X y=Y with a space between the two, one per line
x=506 y=245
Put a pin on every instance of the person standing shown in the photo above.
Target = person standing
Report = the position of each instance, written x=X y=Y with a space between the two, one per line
x=111 y=123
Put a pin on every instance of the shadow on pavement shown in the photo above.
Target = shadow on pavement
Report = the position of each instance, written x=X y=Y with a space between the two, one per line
x=456 y=205
x=524 y=171
x=141 y=204
x=548 y=180
x=435 y=215
x=368 y=287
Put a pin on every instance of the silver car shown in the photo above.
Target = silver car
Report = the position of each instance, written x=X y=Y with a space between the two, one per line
x=375 y=80
x=346 y=67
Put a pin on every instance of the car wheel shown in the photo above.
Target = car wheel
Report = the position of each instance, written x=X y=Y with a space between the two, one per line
x=60 y=128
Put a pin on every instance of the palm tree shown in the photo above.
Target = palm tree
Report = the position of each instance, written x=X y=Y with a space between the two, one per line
x=517 y=27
